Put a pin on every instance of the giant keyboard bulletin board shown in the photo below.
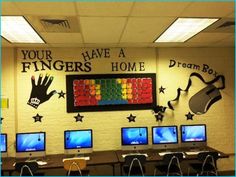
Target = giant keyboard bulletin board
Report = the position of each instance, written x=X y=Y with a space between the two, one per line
x=108 y=92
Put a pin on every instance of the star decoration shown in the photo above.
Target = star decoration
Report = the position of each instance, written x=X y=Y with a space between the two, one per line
x=159 y=117
x=78 y=118
x=158 y=109
x=1 y=120
x=131 y=118
x=189 y=116
x=61 y=94
x=162 y=89
x=37 y=118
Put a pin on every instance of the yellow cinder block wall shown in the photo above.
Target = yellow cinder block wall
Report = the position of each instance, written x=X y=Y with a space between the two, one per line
x=220 y=117
x=8 y=90
x=106 y=125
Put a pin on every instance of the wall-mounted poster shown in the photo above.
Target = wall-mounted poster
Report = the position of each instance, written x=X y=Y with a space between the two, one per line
x=108 y=92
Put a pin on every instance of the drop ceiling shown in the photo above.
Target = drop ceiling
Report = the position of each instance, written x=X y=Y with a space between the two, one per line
x=121 y=24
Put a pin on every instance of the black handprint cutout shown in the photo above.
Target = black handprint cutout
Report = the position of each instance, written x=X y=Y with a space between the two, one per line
x=39 y=92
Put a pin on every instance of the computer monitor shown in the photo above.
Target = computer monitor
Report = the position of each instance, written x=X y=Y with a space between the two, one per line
x=193 y=135
x=3 y=137
x=31 y=144
x=78 y=141
x=164 y=137
x=134 y=138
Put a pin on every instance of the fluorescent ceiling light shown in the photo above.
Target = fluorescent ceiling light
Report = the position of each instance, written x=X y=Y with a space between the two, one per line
x=17 y=30
x=184 y=28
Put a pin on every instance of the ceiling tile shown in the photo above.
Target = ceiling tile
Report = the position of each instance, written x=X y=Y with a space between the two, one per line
x=168 y=9
x=145 y=29
x=66 y=45
x=31 y=45
x=197 y=44
x=223 y=43
x=104 y=8
x=141 y=44
x=100 y=45
x=5 y=43
x=223 y=25
x=231 y=15
x=164 y=44
x=9 y=8
x=54 y=24
x=208 y=9
x=61 y=38
x=208 y=37
x=228 y=41
x=102 y=29
x=47 y=8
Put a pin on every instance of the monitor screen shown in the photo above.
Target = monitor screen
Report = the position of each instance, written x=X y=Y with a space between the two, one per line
x=193 y=134
x=134 y=137
x=3 y=144
x=78 y=141
x=30 y=144
x=165 y=137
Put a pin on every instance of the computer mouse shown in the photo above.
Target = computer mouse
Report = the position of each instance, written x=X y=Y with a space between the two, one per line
x=202 y=100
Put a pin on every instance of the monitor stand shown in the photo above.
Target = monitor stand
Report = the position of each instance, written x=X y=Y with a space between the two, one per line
x=34 y=159
x=30 y=158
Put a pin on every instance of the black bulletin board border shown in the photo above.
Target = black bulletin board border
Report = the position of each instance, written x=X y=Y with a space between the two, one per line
x=70 y=96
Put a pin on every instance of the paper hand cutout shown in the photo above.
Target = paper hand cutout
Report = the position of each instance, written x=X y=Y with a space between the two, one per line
x=39 y=92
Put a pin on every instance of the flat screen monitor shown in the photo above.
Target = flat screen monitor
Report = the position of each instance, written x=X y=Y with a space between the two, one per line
x=3 y=144
x=134 y=138
x=193 y=135
x=78 y=141
x=165 y=137
x=31 y=144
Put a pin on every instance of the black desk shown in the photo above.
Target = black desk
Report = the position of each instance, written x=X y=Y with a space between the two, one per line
x=153 y=154
x=55 y=161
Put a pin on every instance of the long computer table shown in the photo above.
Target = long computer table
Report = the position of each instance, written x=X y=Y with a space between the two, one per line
x=154 y=154
x=56 y=161
x=111 y=157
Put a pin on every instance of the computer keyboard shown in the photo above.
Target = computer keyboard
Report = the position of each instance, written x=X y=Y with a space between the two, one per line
x=42 y=163
x=85 y=158
x=194 y=152
x=168 y=152
x=124 y=155
x=164 y=153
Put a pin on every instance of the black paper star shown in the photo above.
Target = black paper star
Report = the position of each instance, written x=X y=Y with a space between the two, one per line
x=159 y=117
x=61 y=94
x=37 y=118
x=159 y=109
x=1 y=120
x=131 y=118
x=162 y=90
x=189 y=116
x=78 y=118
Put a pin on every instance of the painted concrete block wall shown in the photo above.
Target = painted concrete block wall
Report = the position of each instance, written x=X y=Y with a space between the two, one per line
x=8 y=91
x=55 y=117
x=220 y=117
x=106 y=125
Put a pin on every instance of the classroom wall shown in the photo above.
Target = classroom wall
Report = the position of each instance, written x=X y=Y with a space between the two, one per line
x=16 y=85
x=8 y=90
x=220 y=117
